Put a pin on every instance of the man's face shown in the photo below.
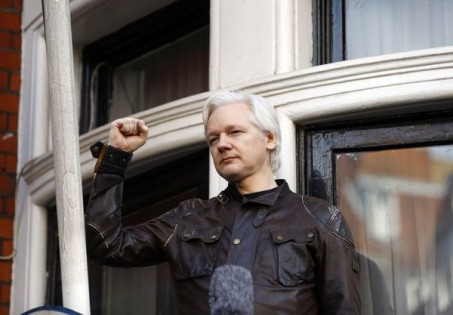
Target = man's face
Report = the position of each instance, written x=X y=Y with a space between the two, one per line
x=239 y=149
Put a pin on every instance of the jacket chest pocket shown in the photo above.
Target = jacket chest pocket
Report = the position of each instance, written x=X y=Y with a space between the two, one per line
x=295 y=263
x=197 y=251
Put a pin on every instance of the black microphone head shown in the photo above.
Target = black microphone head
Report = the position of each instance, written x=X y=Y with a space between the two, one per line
x=231 y=291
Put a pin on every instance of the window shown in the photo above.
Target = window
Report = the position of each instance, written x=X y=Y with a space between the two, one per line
x=377 y=27
x=350 y=29
x=172 y=72
x=393 y=181
x=155 y=60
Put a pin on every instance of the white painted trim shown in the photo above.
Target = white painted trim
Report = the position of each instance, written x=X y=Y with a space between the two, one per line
x=37 y=240
x=360 y=87
x=288 y=155
x=29 y=272
x=214 y=46
x=216 y=182
x=284 y=36
x=30 y=235
x=303 y=35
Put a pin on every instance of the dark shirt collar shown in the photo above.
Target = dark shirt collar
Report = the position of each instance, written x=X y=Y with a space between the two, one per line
x=267 y=197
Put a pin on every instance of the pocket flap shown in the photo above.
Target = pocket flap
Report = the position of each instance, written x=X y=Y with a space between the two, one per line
x=209 y=234
x=297 y=235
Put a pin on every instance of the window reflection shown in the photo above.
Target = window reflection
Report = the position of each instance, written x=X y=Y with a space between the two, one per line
x=398 y=204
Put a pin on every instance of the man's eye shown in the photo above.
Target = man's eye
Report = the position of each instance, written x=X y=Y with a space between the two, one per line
x=213 y=140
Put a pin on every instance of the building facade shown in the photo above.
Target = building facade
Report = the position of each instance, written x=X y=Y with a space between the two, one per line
x=364 y=94
x=10 y=69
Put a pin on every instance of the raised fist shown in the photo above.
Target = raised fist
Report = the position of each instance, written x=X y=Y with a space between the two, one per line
x=128 y=134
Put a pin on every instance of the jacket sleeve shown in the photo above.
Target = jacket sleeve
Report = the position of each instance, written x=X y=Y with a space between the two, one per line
x=338 y=271
x=107 y=240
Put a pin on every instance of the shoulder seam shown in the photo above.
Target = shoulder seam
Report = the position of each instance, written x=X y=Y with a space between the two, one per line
x=327 y=225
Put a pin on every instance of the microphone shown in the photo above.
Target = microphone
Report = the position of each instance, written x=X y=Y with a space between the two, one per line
x=231 y=291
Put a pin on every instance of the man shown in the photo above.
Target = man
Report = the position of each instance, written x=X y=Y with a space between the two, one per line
x=298 y=249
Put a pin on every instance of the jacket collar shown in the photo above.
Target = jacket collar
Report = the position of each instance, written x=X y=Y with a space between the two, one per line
x=267 y=199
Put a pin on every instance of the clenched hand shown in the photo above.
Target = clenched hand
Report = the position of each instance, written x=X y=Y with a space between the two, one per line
x=128 y=134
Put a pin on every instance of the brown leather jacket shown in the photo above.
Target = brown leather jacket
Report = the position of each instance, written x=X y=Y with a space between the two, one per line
x=298 y=249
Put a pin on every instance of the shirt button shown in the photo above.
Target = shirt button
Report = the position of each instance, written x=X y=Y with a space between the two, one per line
x=236 y=241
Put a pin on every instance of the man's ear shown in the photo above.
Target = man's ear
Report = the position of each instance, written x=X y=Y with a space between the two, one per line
x=271 y=140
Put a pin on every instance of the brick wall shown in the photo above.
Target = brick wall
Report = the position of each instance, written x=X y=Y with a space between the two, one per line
x=10 y=63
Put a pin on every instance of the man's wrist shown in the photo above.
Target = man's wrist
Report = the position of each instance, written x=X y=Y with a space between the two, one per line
x=109 y=158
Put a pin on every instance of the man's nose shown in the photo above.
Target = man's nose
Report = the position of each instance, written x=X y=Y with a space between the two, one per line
x=224 y=142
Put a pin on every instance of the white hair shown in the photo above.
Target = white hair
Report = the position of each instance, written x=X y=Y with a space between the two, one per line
x=263 y=116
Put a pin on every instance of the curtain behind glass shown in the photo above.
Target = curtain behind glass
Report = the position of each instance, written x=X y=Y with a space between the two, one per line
x=174 y=71
x=377 y=27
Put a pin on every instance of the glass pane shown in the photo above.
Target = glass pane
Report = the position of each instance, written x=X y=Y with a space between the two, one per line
x=174 y=71
x=377 y=27
x=399 y=206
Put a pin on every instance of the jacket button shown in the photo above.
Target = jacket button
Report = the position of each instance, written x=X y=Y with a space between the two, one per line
x=213 y=237
x=236 y=241
x=310 y=235
x=280 y=238
x=186 y=235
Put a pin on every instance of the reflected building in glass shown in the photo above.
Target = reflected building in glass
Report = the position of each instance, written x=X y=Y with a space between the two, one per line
x=399 y=206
